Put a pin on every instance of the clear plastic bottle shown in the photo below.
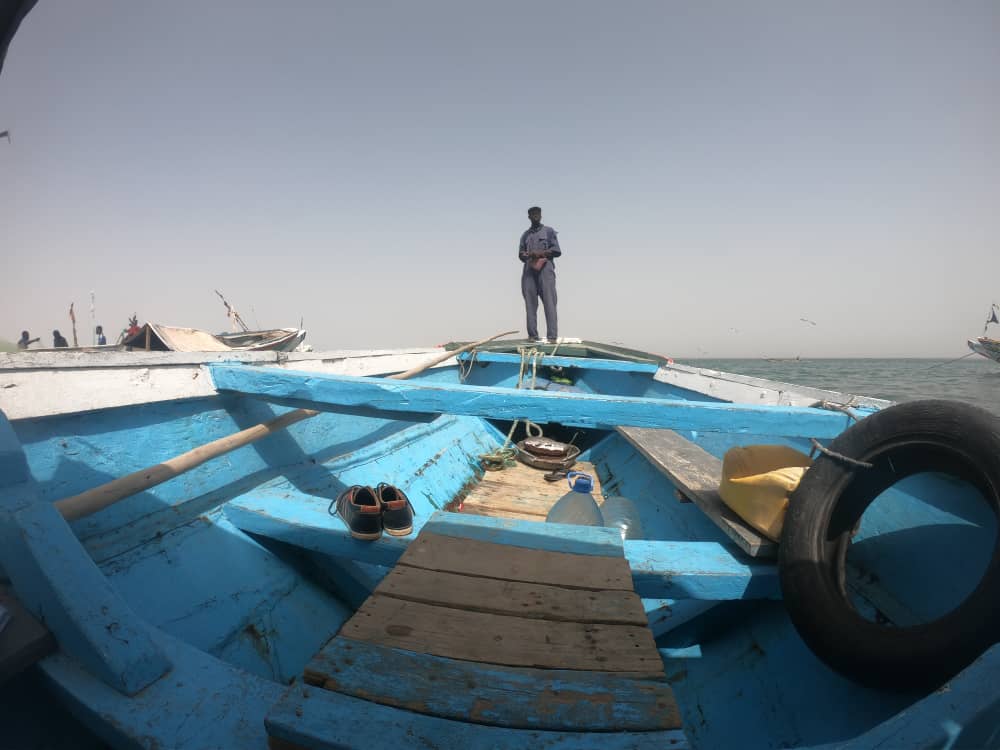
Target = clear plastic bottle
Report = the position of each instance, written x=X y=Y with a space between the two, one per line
x=620 y=513
x=577 y=506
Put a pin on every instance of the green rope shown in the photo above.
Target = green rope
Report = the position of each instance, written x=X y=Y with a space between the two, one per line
x=505 y=456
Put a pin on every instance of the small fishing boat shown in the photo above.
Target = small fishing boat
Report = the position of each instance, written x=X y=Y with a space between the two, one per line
x=987 y=347
x=180 y=543
x=157 y=337
x=983 y=345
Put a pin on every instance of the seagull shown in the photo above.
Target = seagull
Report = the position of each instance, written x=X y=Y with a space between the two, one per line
x=806 y=320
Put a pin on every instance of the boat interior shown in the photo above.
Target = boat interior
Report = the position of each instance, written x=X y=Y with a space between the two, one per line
x=243 y=559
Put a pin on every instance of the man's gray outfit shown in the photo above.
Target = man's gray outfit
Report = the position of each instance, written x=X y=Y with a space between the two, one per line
x=542 y=283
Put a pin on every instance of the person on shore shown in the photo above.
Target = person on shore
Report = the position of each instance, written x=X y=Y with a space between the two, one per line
x=133 y=327
x=102 y=340
x=58 y=340
x=538 y=246
x=25 y=341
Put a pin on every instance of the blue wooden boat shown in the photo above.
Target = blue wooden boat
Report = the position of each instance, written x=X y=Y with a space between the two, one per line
x=227 y=607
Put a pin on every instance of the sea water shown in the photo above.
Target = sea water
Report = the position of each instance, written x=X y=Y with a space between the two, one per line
x=974 y=380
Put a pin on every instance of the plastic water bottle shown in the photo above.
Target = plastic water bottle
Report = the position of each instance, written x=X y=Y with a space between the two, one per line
x=577 y=506
x=620 y=513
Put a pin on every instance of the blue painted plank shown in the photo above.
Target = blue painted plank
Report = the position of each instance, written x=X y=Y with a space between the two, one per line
x=552 y=537
x=570 y=700
x=202 y=703
x=615 y=365
x=212 y=586
x=13 y=466
x=660 y=569
x=376 y=396
x=58 y=583
x=56 y=580
x=697 y=570
x=318 y=719
x=304 y=522
x=964 y=713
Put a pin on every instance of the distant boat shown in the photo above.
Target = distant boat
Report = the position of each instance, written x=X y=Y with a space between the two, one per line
x=984 y=345
x=160 y=338
x=987 y=347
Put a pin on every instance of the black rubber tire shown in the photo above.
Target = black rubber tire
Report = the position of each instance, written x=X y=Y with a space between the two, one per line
x=945 y=436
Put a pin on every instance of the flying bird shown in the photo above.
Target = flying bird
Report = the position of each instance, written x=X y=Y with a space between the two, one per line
x=806 y=320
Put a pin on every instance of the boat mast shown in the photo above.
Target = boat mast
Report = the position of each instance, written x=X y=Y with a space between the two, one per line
x=232 y=314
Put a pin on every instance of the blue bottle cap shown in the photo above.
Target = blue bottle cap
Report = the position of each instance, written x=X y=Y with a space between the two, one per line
x=580 y=481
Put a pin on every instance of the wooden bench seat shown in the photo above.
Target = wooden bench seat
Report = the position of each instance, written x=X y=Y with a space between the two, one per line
x=697 y=474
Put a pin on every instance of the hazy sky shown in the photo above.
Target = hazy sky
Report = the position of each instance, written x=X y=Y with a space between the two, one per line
x=716 y=170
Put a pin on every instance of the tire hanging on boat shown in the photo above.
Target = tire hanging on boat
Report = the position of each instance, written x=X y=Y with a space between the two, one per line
x=949 y=437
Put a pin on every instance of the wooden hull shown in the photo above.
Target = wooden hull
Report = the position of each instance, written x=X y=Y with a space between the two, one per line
x=229 y=580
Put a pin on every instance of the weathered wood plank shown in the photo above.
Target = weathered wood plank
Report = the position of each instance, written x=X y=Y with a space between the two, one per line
x=697 y=474
x=316 y=719
x=379 y=396
x=24 y=641
x=553 y=537
x=488 y=512
x=475 y=558
x=488 y=694
x=521 y=492
x=500 y=639
x=533 y=600
x=698 y=570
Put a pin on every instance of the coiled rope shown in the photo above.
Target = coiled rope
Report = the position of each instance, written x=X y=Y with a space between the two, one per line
x=506 y=455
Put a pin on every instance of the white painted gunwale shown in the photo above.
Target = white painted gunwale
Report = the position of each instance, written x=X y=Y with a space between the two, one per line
x=37 y=384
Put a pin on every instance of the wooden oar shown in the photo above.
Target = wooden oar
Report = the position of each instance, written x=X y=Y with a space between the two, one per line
x=98 y=498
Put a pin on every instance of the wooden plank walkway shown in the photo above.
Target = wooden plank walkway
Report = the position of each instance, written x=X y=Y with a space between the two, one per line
x=521 y=492
x=487 y=632
x=697 y=474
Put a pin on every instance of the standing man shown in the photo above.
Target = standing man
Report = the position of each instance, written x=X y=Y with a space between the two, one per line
x=539 y=245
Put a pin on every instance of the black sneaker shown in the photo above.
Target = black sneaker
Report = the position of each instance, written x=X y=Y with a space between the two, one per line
x=397 y=513
x=362 y=512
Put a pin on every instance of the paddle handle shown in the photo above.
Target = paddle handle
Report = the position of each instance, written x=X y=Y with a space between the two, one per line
x=98 y=498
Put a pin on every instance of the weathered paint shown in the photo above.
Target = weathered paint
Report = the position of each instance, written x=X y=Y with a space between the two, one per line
x=380 y=396
x=729 y=386
x=757 y=685
x=318 y=719
x=218 y=590
x=697 y=570
x=552 y=537
x=202 y=703
x=72 y=453
x=616 y=365
x=37 y=384
x=57 y=581
x=491 y=694
x=965 y=713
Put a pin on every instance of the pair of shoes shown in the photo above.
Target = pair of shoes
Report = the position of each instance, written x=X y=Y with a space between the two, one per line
x=368 y=512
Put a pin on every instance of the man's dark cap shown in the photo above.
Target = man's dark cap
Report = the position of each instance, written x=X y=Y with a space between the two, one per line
x=534 y=208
